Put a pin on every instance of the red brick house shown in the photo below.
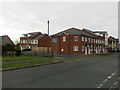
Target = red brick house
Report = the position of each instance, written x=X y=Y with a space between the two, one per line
x=75 y=41
x=34 y=41
x=42 y=40
x=25 y=40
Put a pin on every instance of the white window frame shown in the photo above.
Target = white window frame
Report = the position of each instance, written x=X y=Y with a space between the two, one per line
x=89 y=39
x=85 y=39
x=82 y=38
x=75 y=38
x=94 y=40
x=23 y=41
x=64 y=39
x=75 y=48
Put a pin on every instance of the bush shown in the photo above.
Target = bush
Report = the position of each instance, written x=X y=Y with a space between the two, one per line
x=17 y=49
x=7 y=48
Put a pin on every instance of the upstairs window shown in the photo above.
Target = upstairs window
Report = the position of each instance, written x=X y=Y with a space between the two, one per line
x=64 y=39
x=85 y=39
x=76 y=38
x=94 y=40
x=88 y=39
x=54 y=40
x=23 y=41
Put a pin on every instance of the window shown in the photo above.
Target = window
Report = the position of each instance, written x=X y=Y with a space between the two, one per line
x=82 y=48
x=64 y=39
x=26 y=41
x=91 y=39
x=94 y=40
x=36 y=41
x=82 y=38
x=76 y=38
x=23 y=41
x=97 y=41
x=86 y=39
x=75 y=48
x=54 y=40
x=100 y=41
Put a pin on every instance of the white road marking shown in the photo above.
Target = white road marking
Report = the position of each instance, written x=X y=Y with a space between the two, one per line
x=113 y=74
x=105 y=80
x=119 y=78
x=108 y=78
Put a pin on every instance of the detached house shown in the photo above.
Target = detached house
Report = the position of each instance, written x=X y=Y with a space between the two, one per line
x=76 y=41
x=7 y=44
x=25 y=40
x=34 y=41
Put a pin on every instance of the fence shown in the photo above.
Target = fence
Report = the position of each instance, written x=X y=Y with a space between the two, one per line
x=44 y=51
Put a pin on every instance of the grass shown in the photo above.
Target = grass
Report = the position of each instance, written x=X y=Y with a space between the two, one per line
x=22 y=57
x=27 y=61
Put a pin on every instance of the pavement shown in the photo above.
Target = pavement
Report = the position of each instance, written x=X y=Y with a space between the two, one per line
x=77 y=72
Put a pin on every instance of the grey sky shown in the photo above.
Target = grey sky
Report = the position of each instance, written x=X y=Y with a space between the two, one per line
x=24 y=17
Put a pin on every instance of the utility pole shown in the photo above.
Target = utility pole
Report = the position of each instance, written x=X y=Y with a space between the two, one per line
x=48 y=35
x=48 y=27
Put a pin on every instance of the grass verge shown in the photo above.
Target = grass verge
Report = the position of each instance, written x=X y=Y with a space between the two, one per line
x=26 y=63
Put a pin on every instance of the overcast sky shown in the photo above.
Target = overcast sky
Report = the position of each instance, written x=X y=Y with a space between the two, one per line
x=17 y=18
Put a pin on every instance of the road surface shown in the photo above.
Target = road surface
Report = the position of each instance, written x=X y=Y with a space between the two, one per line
x=77 y=72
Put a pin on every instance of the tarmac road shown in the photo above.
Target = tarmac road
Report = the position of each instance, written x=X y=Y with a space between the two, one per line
x=76 y=72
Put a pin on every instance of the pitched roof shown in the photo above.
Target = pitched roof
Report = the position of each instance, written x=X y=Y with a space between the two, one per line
x=6 y=40
x=73 y=31
x=34 y=34
x=39 y=36
x=3 y=37
x=90 y=32
x=101 y=32
x=112 y=38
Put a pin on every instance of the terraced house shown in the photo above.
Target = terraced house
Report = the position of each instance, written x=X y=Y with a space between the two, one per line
x=76 y=41
x=113 y=43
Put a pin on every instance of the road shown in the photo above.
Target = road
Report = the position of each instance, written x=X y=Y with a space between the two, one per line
x=77 y=72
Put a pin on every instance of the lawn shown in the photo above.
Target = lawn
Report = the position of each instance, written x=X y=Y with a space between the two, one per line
x=22 y=57
x=24 y=61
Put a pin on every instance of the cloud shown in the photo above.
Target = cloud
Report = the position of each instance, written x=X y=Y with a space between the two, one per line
x=23 y=17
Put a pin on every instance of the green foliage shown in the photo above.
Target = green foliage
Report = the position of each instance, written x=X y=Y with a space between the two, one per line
x=7 y=47
x=17 y=49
